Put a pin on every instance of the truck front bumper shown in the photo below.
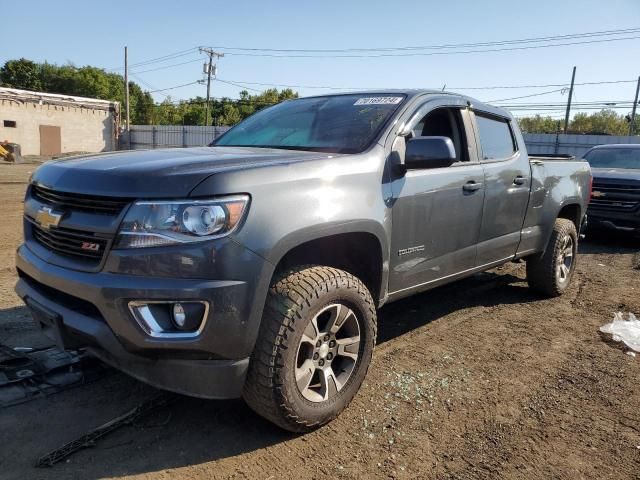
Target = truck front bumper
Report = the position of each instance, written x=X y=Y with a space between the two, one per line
x=83 y=309
x=619 y=221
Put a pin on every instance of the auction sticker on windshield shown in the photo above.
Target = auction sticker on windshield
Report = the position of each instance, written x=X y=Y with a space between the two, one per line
x=378 y=101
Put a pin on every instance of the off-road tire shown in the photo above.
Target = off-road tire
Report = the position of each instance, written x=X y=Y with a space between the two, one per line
x=294 y=298
x=542 y=270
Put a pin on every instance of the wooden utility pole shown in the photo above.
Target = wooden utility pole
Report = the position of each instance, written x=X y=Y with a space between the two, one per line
x=209 y=72
x=206 y=110
x=632 y=125
x=566 y=117
x=126 y=92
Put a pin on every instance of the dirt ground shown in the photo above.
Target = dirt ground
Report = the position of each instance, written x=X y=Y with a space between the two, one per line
x=478 y=379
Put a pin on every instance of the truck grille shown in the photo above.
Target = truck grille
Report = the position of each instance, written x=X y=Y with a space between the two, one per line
x=615 y=197
x=70 y=243
x=80 y=202
x=612 y=204
x=617 y=188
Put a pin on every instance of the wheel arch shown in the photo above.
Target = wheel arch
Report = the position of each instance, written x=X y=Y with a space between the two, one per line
x=357 y=248
x=571 y=210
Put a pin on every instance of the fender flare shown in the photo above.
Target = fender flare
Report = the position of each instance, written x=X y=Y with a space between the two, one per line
x=569 y=201
x=317 y=232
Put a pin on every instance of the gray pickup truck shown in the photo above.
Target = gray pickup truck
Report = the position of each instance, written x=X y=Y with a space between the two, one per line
x=254 y=267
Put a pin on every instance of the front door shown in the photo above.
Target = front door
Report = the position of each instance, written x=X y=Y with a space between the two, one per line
x=437 y=212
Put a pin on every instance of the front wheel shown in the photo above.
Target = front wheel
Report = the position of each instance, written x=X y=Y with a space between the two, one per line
x=314 y=347
x=551 y=272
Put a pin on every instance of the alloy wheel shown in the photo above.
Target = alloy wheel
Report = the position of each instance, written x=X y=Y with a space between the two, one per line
x=327 y=353
x=565 y=259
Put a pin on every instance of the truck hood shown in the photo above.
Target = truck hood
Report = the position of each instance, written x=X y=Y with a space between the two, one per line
x=166 y=173
x=616 y=175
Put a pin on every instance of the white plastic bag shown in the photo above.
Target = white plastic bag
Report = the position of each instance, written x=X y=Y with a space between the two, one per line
x=626 y=331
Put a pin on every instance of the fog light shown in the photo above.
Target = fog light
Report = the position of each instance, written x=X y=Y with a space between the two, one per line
x=170 y=319
x=179 y=317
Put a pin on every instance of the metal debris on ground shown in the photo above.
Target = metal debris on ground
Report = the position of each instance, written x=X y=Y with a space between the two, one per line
x=27 y=373
x=89 y=439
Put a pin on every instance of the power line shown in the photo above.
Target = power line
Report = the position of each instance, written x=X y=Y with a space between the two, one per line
x=147 y=84
x=169 y=66
x=412 y=49
x=527 y=96
x=163 y=58
x=172 y=88
x=445 y=46
x=143 y=81
x=544 y=86
x=563 y=109
x=489 y=87
x=426 y=54
x=591 y=102
x=603 y=33
x=229 y=82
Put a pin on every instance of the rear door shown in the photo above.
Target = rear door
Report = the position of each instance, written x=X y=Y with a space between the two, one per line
x=507 y=183
x=436 y=215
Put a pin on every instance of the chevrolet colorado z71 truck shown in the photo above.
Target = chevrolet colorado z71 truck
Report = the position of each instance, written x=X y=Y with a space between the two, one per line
x=254 y=267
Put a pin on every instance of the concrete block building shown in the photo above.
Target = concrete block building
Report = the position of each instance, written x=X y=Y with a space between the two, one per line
x=50 y=124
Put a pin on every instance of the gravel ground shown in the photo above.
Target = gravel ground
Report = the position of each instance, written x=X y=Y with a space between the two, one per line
x=478 y=379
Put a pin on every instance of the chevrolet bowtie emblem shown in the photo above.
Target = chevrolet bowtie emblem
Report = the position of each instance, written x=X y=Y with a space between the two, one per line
x=597 y=194
x=47 y=218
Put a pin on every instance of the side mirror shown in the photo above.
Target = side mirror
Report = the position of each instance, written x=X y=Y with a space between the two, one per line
x=429 y=152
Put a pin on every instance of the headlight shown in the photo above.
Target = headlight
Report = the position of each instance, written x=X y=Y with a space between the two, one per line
x=150 y=224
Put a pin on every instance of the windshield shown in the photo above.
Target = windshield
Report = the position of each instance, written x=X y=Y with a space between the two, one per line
x=334 y=124
x=614 y=158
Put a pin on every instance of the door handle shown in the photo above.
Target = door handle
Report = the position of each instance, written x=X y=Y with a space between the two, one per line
x=472 y=186
x=520 y=180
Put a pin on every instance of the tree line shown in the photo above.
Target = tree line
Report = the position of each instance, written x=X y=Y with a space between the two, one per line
x=79 y=81
x=604 y=122
x=95 y=82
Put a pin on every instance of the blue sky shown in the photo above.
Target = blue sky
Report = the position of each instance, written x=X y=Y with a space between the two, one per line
x=95 y=33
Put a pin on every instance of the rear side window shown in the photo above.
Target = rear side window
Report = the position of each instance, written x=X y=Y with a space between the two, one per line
x=496 y=138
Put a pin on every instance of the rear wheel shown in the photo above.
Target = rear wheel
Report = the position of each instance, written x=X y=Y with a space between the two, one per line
x=314 y=348
x=551 y=272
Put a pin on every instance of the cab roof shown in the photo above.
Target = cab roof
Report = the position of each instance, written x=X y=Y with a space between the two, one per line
x=415 y=93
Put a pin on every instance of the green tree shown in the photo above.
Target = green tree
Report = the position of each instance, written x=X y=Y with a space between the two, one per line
x=94 y=82
x=539 y=124
x=603 y=122
x=22 y=74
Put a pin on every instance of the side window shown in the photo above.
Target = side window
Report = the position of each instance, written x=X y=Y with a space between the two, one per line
x=496 y=138
x=444 y=122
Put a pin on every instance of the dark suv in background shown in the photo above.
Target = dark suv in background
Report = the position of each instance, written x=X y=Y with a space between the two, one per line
x=615 y=199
